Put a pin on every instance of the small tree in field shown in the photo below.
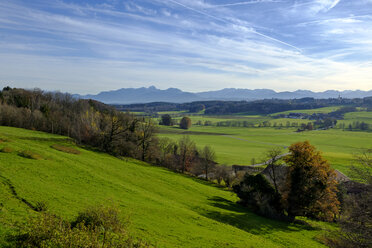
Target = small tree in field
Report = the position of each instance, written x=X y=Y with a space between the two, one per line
x=311 y=184
x=166 y=120
x=185 y=123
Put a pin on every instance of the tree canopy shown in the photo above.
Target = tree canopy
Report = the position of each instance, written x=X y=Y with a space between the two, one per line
x=311 y=184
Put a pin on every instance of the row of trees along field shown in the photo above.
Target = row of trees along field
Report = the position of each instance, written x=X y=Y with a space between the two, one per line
x=309 y=188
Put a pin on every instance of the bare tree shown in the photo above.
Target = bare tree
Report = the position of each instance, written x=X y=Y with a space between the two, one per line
x=146 y=130
x=207 y=156
x=273 y=158
x=187 y=151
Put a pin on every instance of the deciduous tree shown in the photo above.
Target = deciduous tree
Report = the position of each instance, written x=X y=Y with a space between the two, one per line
x=207 y=156
x=311 y=183
x=185 y=123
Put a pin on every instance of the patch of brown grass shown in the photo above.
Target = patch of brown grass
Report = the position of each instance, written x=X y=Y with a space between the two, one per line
x=30 y=155
x=65 y=149
x=6 y=149
x=2 y=139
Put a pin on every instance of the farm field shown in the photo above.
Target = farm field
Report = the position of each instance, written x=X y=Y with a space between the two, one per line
x=311 y=111
x=235 y=145
x=357 y=116
x=165 y=208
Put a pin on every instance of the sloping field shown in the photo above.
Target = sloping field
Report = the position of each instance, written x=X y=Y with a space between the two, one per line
x=165 y=208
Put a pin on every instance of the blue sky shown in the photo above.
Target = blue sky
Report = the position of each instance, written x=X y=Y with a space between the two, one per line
x=195 y=45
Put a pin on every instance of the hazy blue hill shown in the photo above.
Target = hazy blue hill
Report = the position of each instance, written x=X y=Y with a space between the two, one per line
x=143 y=95
x=174 y=95
x=237 y=94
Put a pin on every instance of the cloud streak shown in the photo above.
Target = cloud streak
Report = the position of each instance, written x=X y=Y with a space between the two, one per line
x=248 y=29
x=244 y=3
x=89 y=47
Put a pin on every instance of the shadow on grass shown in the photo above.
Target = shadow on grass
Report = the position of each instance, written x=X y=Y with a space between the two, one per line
x=233 y=214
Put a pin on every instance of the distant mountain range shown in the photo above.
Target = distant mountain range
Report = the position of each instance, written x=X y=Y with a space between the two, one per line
x=152 y=94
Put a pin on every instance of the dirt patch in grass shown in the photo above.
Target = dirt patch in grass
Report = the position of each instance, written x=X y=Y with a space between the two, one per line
x=30 y=155
x=6 y=149
x=4 y=140
x=65 y=149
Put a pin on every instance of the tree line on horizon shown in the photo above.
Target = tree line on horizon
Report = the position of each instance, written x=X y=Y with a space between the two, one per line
x=266 y=106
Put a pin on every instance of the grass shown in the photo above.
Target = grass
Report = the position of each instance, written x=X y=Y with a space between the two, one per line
x=6 y=149
x=360 y=116
x=66 y=149
x=240 y=145
x=324 y=110
x=30 y=154
x=165 y=208
x=2 y=140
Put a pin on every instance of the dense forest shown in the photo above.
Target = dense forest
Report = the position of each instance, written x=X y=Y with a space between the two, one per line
x=268 y=106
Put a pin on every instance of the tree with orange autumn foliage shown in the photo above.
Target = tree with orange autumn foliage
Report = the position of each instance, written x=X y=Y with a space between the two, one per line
x=311 y=184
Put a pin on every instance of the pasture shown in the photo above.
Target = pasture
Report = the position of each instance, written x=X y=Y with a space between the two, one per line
x=165 y=208
x=239 y=145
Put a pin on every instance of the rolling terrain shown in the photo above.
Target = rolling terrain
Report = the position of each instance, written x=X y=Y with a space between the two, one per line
x=165 y=208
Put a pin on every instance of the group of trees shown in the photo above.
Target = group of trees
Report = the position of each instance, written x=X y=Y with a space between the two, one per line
x=167 y=120
x=356 y=125
x=306 y=186
x=267 y=106
x=98 y=125
x=87 y=122
x=184 y=156
x=356 y=216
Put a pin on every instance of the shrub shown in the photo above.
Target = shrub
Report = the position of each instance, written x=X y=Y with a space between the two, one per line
x=65 y=149
x=30 y=155
x=93 y=228
x=6 y=149
x=256 y=192
x=41 y=206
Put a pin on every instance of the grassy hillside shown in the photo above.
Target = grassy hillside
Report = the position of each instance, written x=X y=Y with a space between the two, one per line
x=165 y=208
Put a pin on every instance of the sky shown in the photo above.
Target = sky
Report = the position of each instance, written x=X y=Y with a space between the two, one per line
x=89 y=46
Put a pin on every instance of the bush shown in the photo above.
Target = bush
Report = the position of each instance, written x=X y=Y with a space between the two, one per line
x=256 y=193
x=41 y=206
x=96 y=227
x=30 y=155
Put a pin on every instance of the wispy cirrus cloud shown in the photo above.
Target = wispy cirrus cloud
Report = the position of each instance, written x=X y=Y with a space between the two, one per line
x=245 y=3
x=90 y=47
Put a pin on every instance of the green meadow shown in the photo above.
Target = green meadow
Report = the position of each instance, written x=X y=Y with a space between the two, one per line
x=165 y=208
x=239 y=145
x=312 y=111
